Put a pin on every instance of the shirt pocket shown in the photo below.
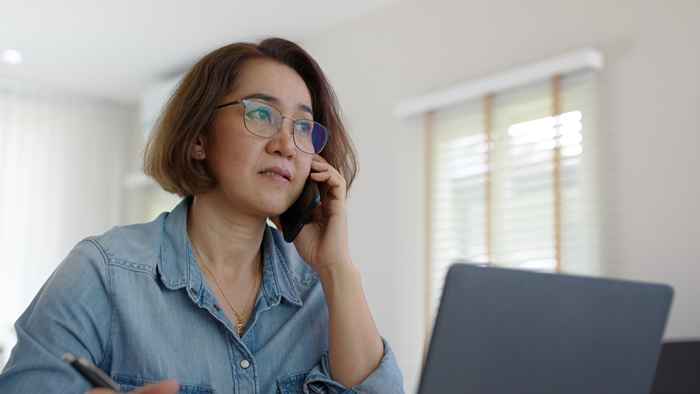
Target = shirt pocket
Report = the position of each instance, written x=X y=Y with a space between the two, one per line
x=291 y=384
x=129 y=383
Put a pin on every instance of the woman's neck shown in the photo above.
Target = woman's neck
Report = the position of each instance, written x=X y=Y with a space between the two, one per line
x=228 y=242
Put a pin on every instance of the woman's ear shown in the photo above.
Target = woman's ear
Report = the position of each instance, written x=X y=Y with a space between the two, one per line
x=198 y=149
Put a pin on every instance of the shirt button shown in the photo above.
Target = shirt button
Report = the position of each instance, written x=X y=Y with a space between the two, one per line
x=245 y=364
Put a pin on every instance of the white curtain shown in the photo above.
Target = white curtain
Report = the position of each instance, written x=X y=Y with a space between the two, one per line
x=62 y=161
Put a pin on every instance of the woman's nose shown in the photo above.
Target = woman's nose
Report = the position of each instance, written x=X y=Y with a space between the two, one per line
x=283 y=141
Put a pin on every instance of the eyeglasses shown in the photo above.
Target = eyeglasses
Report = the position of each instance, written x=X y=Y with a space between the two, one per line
x=265 y=121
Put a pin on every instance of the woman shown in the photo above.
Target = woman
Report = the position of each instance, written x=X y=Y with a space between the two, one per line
x=209 y=298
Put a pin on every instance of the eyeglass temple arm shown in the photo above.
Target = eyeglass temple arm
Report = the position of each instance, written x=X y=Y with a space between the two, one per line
x=227 y=104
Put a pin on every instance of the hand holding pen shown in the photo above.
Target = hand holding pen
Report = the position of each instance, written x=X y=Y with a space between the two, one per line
x=105 y=385
x=164 y=387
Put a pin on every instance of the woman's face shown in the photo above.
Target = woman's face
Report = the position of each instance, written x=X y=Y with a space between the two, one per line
x=237 y=157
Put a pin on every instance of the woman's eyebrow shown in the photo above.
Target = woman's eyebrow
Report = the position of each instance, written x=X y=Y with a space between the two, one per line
x=276 y=101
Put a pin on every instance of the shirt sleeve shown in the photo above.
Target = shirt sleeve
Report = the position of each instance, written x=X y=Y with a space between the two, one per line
x=71 y=313
x=385 y=379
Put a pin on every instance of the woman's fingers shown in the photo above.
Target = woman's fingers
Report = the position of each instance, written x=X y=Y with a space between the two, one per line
x=320 y=176
x=326 y=171
x=333 y=180
x=164 y=387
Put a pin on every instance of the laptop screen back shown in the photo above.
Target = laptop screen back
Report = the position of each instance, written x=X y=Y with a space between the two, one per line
x=510 y=331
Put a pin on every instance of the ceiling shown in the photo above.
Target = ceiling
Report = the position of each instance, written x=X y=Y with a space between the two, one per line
x=116 y=49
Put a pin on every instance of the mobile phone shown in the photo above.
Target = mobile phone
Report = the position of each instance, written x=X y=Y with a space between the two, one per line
x=90 y=372
x=300 y=213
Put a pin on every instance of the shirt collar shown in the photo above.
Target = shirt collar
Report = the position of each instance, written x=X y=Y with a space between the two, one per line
x=177 y=267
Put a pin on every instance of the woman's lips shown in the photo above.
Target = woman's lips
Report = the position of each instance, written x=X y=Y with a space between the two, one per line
x=275 y=177
x=280 y=170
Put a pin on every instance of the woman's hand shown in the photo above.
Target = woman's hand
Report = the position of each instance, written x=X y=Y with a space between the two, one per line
x=164 y=387
x=323 y=243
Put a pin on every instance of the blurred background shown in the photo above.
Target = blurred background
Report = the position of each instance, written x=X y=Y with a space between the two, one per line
x=551 y=135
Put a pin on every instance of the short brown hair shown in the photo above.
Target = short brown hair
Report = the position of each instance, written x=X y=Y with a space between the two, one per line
x=189 y=113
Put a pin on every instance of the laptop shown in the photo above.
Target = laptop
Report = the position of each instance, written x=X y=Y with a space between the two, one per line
x=507 y=331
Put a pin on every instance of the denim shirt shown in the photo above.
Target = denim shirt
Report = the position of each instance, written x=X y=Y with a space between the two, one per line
x=133 y=301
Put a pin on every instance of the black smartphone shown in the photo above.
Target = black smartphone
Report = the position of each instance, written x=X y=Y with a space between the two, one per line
x=91 y=373
x=300 y=213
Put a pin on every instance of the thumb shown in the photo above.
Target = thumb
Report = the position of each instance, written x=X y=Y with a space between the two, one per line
x=164 y=387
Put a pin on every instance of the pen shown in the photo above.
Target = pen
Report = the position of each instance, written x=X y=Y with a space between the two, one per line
x=90 y=372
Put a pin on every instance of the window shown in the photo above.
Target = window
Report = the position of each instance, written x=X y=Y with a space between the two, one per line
x=512 y=180
x=61 y=162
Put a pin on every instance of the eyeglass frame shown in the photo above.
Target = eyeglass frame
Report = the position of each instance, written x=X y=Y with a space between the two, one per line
x=279 y=129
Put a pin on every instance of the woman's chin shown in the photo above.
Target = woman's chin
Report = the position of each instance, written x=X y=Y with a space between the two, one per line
x=275 y=208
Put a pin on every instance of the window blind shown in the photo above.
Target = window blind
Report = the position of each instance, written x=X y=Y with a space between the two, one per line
x=512 y=180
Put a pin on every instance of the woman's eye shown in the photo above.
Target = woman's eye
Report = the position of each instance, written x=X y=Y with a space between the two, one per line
x=260 y=114
x=305 y=127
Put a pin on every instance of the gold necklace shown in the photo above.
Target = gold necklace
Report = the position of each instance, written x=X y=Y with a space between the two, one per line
x=240 y=321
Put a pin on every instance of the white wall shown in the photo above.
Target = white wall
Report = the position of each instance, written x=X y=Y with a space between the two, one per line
x=650 y=126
